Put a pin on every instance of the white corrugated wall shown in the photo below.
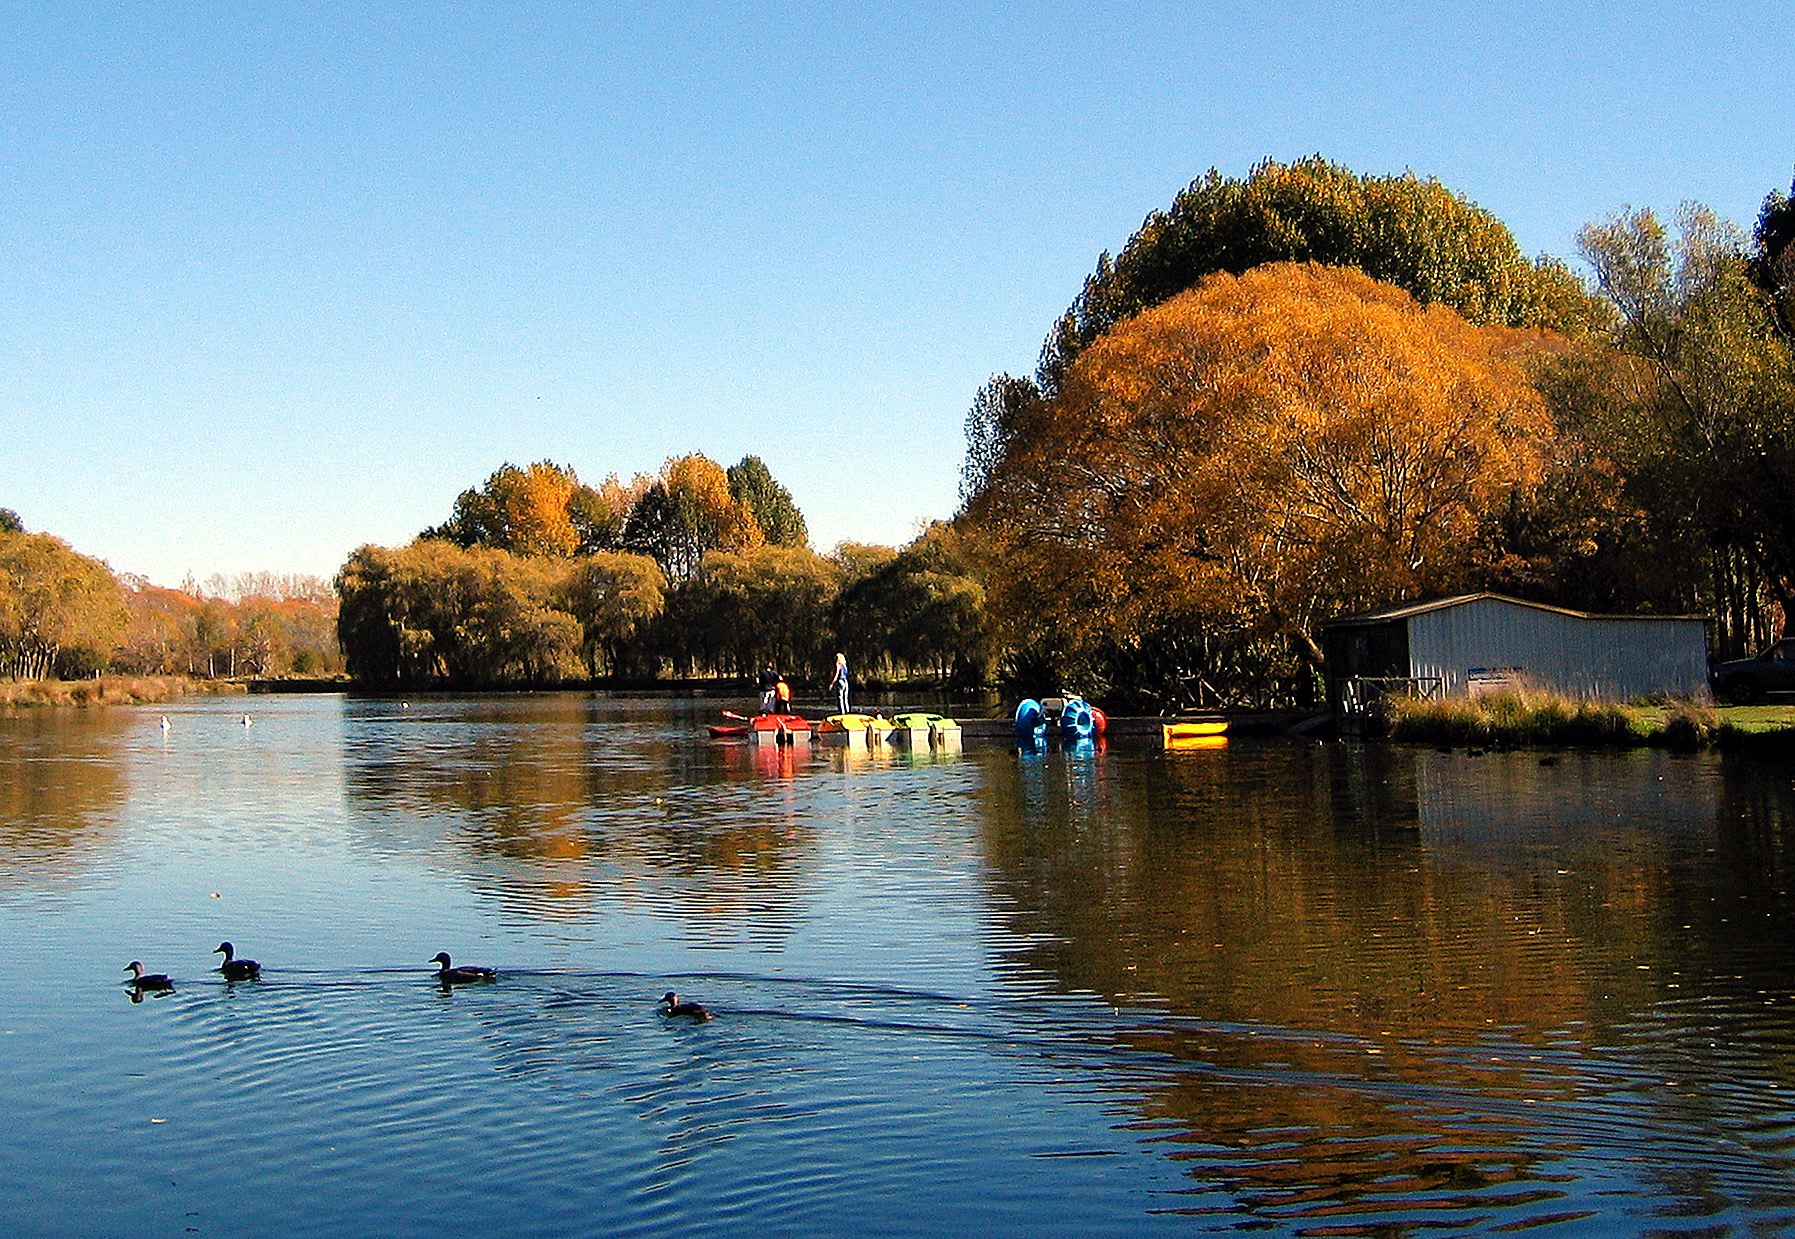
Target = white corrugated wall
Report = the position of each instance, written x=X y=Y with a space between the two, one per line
x=1486 y=641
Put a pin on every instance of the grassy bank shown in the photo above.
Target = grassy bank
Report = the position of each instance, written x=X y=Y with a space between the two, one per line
x=1533 y=718
x=107 y=690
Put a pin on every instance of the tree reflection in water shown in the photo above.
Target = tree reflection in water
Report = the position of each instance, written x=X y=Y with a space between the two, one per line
x=62 y=785
x=1396 y=980
x=561 y=808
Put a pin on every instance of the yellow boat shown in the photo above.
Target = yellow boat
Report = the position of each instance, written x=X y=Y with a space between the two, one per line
x=1194 y=729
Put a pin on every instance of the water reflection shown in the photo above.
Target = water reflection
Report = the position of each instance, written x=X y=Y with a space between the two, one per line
x=563 y=806
x=1397 y=980
x=62 y=786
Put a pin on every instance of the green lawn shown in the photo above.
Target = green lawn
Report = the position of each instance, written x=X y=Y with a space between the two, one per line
x=1755 y=719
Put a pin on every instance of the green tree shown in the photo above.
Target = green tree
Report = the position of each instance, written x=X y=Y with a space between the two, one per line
x=433 y=612
x=10 y=522
x=1402 y=230
x=752 y=484
x=1004 y=409
x=1710 y=412
x=1772 y=266
x=920 y=609
x=616 y=597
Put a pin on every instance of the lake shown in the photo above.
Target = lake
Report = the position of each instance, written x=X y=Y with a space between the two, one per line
x=1293 y=988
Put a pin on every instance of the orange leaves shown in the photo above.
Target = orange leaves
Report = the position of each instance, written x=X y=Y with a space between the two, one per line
x=1291 y=442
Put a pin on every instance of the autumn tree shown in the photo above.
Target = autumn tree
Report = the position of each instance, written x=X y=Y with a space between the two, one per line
x=1248 y=459
x=600 y=512
x=59 y=610
x=685 y=513
x=1404 y=230
x=753 y=485
x=525 y=511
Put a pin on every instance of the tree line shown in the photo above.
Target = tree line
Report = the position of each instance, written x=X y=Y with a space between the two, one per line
x=1309 y=393
x=67 y=615
x=698 y=571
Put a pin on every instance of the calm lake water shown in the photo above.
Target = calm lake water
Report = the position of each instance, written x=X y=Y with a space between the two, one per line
x=1283 y=988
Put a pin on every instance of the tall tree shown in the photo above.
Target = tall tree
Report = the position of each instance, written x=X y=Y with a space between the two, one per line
x=1004 y=409
x=526 y=511
x=686 y=513
x=1712 y=409
x=1257 y=454
x=1404 y=230
x=752 y=484
x=55 y=604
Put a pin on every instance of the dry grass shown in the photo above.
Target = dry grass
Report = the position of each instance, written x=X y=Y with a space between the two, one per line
x=107 y=690
x=1525 y=717
x=1530 y=718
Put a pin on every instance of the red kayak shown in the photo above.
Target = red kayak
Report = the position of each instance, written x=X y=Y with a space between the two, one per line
x=780 y=728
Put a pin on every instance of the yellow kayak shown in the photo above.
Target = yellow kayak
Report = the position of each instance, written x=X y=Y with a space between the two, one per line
x=1193 y=730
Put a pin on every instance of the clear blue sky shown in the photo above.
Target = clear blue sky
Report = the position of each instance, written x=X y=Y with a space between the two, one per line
x=282 y=279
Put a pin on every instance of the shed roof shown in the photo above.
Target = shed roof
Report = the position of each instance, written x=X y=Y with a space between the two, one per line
x=1409 y=609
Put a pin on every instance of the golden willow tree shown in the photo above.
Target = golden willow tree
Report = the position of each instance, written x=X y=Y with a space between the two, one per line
x=1225 y=470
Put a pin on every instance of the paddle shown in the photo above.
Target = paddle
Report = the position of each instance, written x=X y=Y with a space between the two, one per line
x=740 y=718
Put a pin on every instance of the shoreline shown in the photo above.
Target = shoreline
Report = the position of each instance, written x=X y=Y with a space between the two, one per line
x=109 y=690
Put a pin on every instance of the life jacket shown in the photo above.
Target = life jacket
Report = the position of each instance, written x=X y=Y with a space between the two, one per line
x=784 y=692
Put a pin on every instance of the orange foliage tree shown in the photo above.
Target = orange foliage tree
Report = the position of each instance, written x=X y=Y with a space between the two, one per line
x=1253 y=456
x=688 y=512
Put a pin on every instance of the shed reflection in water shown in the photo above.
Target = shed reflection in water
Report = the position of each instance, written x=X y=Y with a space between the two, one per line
x=1398 y=980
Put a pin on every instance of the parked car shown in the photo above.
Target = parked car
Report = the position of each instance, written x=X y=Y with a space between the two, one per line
x=1745 y=680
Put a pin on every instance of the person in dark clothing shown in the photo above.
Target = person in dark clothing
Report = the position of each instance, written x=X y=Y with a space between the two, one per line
x=769 y=684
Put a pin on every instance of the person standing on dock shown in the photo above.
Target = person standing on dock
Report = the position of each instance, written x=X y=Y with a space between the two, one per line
x=769 y=684
x=840 y=684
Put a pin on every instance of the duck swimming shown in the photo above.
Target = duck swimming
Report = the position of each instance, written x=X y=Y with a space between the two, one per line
x=235 y=969
x=141 y=980
x=671 y=1005
x=466 y=974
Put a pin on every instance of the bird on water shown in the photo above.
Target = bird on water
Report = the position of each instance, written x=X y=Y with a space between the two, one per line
x=464 y=974
x=141 y=980
x=671 y=1005
x=235 y=969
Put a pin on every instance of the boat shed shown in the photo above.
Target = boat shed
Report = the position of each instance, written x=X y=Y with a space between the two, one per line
x=1478 y=643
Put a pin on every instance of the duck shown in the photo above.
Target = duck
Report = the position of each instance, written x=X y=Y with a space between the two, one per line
x=672 y=1005
x=466 y=974
x=235 y=969
x=140 y=980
